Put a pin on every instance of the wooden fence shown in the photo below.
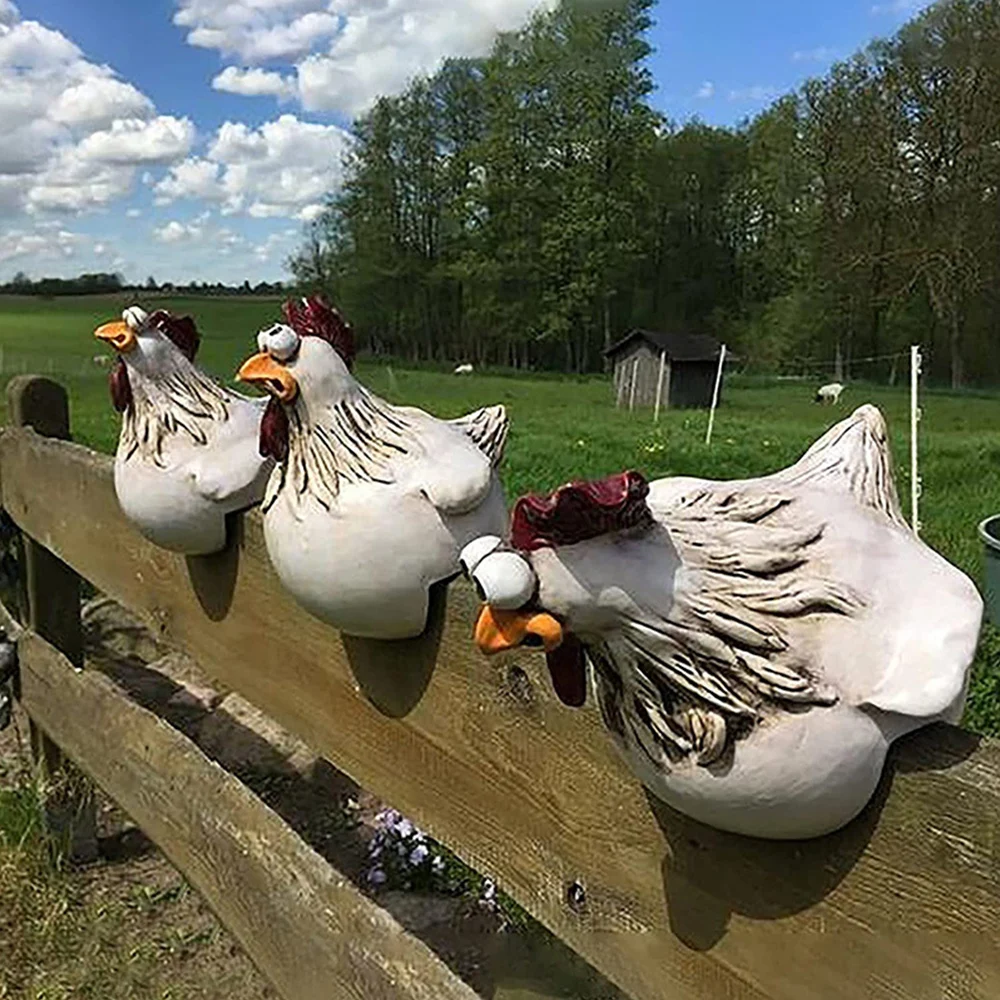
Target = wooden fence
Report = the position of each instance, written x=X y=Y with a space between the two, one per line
x=904 y=903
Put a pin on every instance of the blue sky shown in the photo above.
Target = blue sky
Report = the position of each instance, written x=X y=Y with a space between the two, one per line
x=192 y=139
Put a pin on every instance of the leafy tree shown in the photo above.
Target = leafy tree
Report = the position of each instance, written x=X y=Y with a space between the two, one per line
x=529 y=207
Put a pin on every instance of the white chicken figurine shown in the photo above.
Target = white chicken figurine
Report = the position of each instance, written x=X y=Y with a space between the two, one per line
x=755 y=645
x=187 y=453
x=370 y=503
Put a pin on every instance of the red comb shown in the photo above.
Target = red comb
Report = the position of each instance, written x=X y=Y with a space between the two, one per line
x=582 y=510
x=313 y=317
x=181 y=330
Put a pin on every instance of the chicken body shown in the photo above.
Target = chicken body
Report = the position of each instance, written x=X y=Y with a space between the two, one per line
x=187 y=452
x=373 y=502
x=758 y=646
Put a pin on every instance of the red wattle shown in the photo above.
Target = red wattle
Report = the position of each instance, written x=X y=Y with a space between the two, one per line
x=568 y=668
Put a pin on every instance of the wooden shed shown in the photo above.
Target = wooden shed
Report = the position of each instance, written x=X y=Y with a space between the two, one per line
x=681 y=367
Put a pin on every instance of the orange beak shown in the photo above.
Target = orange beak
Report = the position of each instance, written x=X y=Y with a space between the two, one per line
x=118 y=334
x=263 y=370
x=497 y=631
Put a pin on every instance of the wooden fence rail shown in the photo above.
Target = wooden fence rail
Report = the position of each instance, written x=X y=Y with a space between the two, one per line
x=901 y=904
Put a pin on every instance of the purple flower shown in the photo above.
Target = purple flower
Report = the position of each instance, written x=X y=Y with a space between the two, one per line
x=388 y=817
x=418 y=855
x=377 y=876
x=403 y=827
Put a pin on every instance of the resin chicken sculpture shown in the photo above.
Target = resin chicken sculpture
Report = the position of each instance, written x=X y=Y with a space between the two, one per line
x=370 y=503
x=755 y=646
x=187 y=453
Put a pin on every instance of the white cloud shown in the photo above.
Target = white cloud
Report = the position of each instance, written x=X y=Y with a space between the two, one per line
x=346 y=52
x=98 y=101
x=71 y=183
x=311 y=212
x=276 y=243
x=821 y=54
x=39 y=243
x=134 y=213
x=133 y=141
x=199 y=238
x=257 y=30
x=71 y=132
x=705 y=91
x=254 y=83
x=194 y=178
x=33 y=47
x=8 y=13
x=178 y=232
x=283 y=169
x=755 y=94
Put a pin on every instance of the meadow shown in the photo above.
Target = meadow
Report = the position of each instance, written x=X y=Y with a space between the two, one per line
x=567 y=427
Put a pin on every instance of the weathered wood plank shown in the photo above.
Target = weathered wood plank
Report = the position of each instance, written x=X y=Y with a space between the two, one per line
x=306 y=927
x=902 y=903
x=52 y=594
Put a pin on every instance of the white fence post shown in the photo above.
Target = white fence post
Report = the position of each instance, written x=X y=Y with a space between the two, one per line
x=631 y=394
x=915 y=485
x=659 y=386
x=715 y=395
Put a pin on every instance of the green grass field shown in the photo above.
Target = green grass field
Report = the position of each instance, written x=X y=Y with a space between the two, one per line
x=565 y=428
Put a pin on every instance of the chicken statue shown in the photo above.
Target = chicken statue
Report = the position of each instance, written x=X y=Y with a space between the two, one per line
x=370 y=503
x=755 y=646
x=187 y=453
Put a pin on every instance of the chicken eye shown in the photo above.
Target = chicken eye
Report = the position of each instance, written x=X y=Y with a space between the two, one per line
x=504 y=580
x=282 y=342
x=476 y=551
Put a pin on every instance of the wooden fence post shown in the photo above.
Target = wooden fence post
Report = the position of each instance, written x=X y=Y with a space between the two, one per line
x=52 y=597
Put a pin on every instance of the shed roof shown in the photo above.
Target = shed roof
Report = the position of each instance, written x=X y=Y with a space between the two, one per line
x=679 y=346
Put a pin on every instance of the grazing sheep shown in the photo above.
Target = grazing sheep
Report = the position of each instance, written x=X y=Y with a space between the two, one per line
x=463 y=370
x=829 y=393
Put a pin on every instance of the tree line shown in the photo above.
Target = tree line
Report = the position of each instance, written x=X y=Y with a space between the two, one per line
x=83 y=284
x=105 y=284
x=530 y=207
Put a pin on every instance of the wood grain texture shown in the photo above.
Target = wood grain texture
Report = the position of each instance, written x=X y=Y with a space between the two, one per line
x=902 y=903
x=305 y=926
x=52 y=596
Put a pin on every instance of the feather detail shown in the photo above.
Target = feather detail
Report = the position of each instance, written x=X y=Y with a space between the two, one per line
x=690 y=683
x=488 y=429
x=854 y=456
x=182 y=402
x=358 y=439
